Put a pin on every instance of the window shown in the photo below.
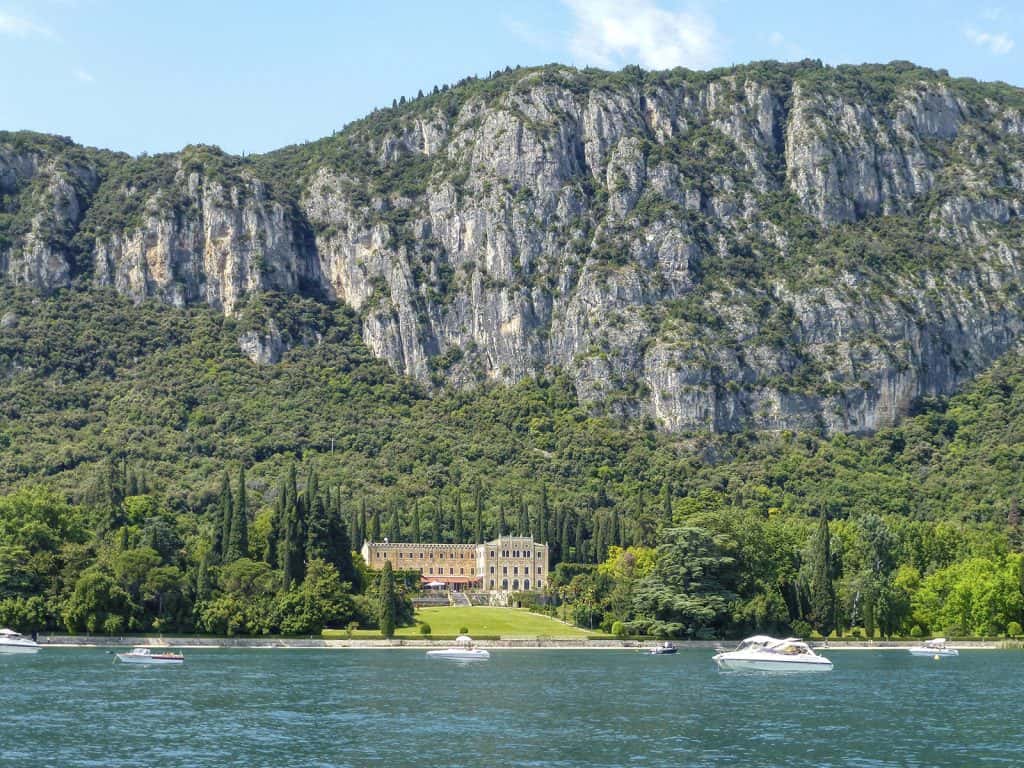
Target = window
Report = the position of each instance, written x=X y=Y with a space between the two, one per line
x=504 y=570
x=401 y=555
x=421 y=555
x=515 y=583
x=431 y=570
x=515 y=571
x=462 y=571
x=504 y=583
x=526 y=584
x=451 y=571
x=540 y=570
x=492 y=569
x=492 y=553
x=378 y=555
x=492 y=583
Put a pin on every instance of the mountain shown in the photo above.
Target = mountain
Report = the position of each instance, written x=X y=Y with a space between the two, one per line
x=771 y=246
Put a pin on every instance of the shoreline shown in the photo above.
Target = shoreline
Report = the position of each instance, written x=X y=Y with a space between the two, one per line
x=511 y=643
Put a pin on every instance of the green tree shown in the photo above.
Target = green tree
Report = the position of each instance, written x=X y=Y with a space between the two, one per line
x=821 y=595
x=238 y=536
x=386 y=609
x=688 y=592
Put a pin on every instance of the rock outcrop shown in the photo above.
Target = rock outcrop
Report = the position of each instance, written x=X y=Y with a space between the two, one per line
x=769 y=247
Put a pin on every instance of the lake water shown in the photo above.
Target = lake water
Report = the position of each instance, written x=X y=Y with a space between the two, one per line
x=279 y=708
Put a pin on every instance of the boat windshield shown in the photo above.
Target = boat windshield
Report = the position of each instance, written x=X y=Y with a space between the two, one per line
x=791 y=647
x=756 y=642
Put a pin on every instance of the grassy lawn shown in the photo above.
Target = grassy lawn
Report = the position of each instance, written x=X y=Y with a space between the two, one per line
x=480 y=620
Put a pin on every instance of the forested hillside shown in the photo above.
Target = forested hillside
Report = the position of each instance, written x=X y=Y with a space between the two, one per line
x=131 y=416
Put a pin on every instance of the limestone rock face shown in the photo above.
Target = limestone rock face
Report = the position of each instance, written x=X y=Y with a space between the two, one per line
x=771 y=247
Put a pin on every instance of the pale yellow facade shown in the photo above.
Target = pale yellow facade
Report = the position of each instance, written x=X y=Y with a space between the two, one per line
x=507 y=564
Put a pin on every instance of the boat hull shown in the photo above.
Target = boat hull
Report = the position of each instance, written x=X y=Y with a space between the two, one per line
x=772 y=665
x=128 y=658
x=23 y=649
x=454 y=654
x=930 y=652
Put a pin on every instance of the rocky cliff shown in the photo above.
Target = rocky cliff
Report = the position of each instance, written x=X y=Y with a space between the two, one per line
x=771 y=246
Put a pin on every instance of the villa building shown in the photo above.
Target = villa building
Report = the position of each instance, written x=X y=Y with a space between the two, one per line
x=509 y=563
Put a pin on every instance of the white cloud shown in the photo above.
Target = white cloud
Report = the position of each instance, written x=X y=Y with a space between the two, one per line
x=998 y=43
x=610 y=33
x=84 y=77
x=19 y=26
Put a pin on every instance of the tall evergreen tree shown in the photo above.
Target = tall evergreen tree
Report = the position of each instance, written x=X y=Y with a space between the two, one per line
x=273 y=531
x=540 y=530
x=821 y=596
x=394 y=526
x=459 y=533
x=417 y=533
x=375 y=526
x=501 y=520
x=524 y=518
x=438 y=520
x=566 y=538
x=386 y=610
x=226 y=505
x=318 y=531
x=238 y=537
x=667 y=519
x=580 y=542
x=478 y=508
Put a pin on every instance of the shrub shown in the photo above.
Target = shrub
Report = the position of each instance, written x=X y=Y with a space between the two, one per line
x=463 y=630
x=801 y=628
x=618 y=629
x=351 y=627
x=1013 y=629
x=857 y=632
x=424 y=628
x=916 y=631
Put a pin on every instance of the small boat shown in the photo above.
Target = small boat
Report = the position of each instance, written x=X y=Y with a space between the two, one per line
x=663 y=649
x=13 y=642
x=463 y=650
x=762 y=653
x=143 y=655
x=936 y=647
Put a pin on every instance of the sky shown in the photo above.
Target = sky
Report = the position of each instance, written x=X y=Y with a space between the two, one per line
x=254 y=75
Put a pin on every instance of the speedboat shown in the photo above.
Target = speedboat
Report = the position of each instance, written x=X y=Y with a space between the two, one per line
x=663 y=649
x=762 y=653
x=936 y=647
x=143 y=655
x=12 y=642
x=463 y=650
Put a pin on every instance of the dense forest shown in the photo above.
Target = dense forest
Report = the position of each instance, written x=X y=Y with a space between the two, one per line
x=155 y=479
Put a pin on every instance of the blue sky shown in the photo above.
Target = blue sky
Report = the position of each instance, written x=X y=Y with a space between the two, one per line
x=154 y=75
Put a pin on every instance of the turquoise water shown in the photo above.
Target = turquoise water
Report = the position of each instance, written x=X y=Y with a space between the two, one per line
x=522 y=708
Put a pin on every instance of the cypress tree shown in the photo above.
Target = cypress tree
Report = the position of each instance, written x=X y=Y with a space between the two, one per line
x=270 y=552
x=317 y=531
x=226 y=515
x=386 y=612
x=478 y=504
x=565 y=543
x=417 y=534
x=666 y=505
x=375 y=526
x=524 y=518
x=459 y=533
x=541 y=529
x=361 y=538
x=580 y=542
x=821 y=595
x=238 y=539
x=394 y=526
x=501 y=520
x=438 y=520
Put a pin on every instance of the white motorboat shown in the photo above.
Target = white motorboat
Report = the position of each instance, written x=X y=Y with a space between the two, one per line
x=463 y=650
x=762 y=653
x=12 y=642
x=935 y=648
x=143 y=655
